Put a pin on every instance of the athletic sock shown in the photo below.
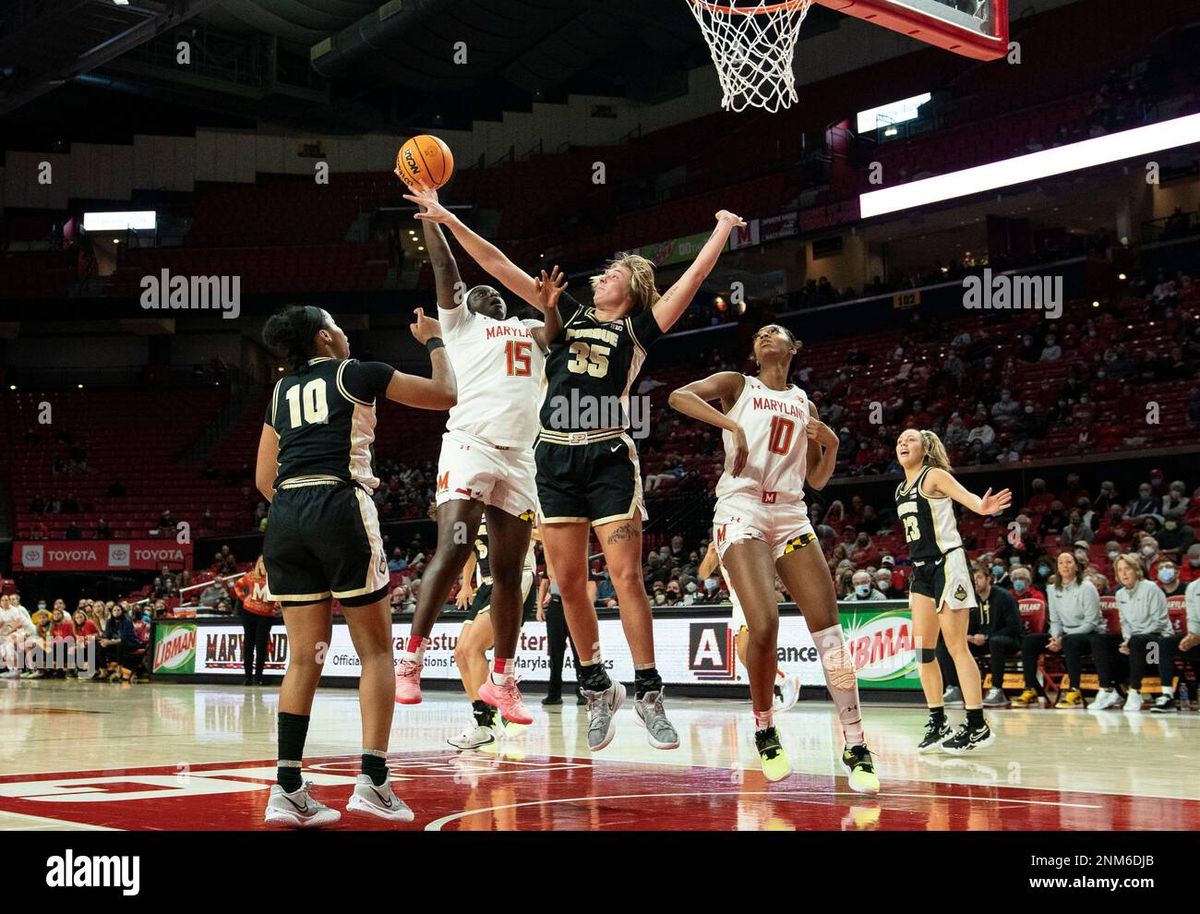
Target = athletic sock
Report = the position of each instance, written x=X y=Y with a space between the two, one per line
x=501 y=670
x=592 y=675
x=483 y=712
x=646 y=680
x=374 y=765
x=841 y=681
x=293 y=731
x=975 y=718
x=764 y=720
x=938 y=714
x=1169 y=691
x=414 y=649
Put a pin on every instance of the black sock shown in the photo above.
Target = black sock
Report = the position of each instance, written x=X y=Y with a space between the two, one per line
x=293 y=730
x=938 y=714
x=375 y=767
x=485 y=714
x=646 y=680
x=975 y=718
x=594 y=678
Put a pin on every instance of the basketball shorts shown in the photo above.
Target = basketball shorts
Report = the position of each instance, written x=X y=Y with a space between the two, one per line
x=784 y=527
x=470 y=468
x=947 y=581
x=596 y=481
x=482 y=602
x=323 y=540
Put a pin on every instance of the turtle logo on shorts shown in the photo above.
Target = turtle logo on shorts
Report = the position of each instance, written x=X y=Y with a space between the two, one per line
x=961 y=593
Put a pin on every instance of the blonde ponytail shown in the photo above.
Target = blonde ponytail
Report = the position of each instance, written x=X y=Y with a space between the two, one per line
x=935 y=451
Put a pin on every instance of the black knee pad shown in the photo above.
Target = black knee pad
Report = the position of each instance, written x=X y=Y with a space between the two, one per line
x=926 y=655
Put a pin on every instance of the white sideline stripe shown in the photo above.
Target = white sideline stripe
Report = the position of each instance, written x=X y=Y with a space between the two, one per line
x=1045 y=163
x=436 y=824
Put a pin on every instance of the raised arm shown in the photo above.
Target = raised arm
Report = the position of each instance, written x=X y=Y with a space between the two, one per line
x=945 y=485
x=670 y=307
x=445 y=270
x=692 y=400
x=437 y=392
x=822 y=452
x=482 y=251
x=549 y=288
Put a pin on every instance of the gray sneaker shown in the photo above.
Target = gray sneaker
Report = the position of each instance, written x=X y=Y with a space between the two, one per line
x=298 y=809
x=952 y=697
x=658 y=729
x=602 y=709
x=378 y=801
x=996 y=699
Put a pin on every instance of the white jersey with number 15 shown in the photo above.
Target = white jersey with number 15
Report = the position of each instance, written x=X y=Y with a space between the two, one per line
x=775 y=423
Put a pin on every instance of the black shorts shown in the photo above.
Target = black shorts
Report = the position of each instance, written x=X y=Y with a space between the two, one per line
x=596 y=482
x=482 y=603
x=323 y=540
x=946 y=581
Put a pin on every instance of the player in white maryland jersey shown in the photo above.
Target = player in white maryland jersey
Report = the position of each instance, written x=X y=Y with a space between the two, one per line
x=774 y=443
x=486 y=465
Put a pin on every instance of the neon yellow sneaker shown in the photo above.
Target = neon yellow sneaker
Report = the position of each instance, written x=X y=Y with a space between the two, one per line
x=1070 y=699
x=862 y=769
x=775 y=764
x=1026 y=698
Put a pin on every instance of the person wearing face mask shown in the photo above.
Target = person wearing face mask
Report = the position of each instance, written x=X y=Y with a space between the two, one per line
x=1176 y=501
x=1147 y=504
x=1076 y=628
x=1176 y=537
x=883 y=583
x=1189 y=569
x=993 y=632
x=1022 y=584
x=861 y=589
x=1144 y=622
x=1149 y=554
x=674 y=596
x=1106 y=498
x=1166 y=573
x=1000 y=576
x=1042 y=570
x=1076 y=530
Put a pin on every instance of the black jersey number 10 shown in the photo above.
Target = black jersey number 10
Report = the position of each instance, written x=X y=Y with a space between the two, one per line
x=312 y=402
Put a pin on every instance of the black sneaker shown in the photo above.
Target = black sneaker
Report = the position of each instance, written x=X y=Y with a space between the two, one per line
x=967 y=740
x=552 y=700
x=775 y=764
x=1164 y=704
x=862 y=769
x=936 y=731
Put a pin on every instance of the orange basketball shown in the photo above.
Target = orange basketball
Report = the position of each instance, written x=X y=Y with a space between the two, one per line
x=425 y=160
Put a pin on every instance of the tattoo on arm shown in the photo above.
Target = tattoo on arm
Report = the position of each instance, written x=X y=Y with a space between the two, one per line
x=627 y=531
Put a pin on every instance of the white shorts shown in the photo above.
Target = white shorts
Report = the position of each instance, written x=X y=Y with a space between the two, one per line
x=470 y=468
x=784 y=527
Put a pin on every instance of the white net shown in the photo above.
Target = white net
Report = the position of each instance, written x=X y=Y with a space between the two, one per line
x=752 y=45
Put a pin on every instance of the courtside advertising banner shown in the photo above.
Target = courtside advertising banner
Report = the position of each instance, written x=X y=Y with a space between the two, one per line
x=100 y=555
x=689 y=649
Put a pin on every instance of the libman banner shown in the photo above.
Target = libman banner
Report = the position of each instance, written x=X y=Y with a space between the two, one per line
x=677 y=250
x=175 y=649
x=689 y=649
x=100 y=555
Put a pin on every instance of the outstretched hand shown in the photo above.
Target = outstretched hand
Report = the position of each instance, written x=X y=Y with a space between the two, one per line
x=994 y=504
x=424 y=328
x=725 y=217
x=550 y=288
x=433 y=210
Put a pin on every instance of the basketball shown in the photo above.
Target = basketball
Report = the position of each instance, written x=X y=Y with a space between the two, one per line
x=425 y=160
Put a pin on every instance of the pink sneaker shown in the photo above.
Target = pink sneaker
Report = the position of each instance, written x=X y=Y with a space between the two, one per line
x=507 y=698
x=408 y=682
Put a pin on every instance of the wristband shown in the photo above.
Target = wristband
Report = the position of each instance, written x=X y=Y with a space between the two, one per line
x=434 y=342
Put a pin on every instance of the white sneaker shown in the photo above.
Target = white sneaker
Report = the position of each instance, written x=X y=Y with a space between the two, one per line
x=1105 y=699
x=952 y=697
x=472 y=737
x=298 y=809
x=380 y=802
x=1133 y=701
x=787 y=691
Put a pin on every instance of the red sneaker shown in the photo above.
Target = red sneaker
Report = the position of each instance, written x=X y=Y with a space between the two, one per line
x=507 y=698
x=408 y=683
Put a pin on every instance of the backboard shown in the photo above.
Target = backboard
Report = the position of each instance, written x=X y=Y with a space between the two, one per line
x=973 y=28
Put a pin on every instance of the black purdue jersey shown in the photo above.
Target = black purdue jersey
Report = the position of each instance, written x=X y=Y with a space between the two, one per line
x=324 y=416
x=590 y=367
x=929 y=525
x=483 y=568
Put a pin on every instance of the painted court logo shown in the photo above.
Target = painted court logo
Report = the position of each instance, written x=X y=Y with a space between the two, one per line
x=71 y=872
x=1004 y=292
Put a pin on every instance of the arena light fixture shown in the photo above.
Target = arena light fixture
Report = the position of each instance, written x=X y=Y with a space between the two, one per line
x=1034 y=166
x=906 y=109
x=120 y=221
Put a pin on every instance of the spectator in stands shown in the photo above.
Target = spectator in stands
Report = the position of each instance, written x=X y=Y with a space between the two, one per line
x=1115 y=526
x=1076 y=530
x=1006 y=410
x=1145 y=505
x=61 y=639
x=397 y=562
x=84 y=657
x=864 y=552
x=1099 y=581
x=993 y=631
x=1148 y=553
x=1000 y=577
x=1076 y=628
x=1040 y=500
x=1028 y=351
x=1051 y=352
x=1189 y=569
x=883 y=583
x=1054 y=521
x=212 y=594
x=227 y=563
x=38 y=531
x=1176 y=501
x=1175 y=538
x=103 y=530
x=73 y=532
x=1144 y=621
x=1106 y=499
x=862 y=589
x=1167 y=574
x=166 y=520
x=118 y=646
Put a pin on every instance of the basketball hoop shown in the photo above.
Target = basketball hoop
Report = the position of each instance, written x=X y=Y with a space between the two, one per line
x=752 y=45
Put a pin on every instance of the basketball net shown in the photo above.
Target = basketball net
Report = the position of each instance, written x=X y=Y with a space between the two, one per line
x=752 y=45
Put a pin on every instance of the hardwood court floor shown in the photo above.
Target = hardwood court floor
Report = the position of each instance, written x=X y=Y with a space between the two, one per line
x=160 y=756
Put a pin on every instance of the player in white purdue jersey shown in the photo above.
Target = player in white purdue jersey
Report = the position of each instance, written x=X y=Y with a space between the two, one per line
x=774 y=443
x=486 y=465
x=787 y=688
x=941 y=581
